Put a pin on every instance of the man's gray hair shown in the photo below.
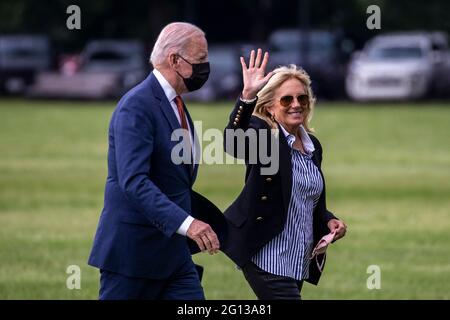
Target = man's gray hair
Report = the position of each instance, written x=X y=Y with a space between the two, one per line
x=176 y=35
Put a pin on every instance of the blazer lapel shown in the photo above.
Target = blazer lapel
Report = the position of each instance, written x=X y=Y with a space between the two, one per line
x=197 y=148
x=164 y=104
x=315 y=159
x=167 y=111
x=285 y=167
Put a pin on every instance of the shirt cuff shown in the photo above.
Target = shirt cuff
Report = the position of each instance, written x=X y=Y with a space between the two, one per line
x=248 y=101
x=185 y=226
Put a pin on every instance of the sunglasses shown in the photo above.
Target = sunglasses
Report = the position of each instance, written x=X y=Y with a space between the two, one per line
x=302 y=99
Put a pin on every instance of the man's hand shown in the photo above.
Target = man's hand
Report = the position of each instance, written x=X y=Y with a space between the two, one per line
x=204 y=236
x=339 y=227
x=254 y=76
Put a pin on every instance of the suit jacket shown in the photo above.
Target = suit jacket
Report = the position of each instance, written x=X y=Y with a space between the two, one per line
x=147 y=196
x=259 y=213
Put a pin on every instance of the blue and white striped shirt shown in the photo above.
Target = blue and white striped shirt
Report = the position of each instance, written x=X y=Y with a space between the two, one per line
x=288 y=253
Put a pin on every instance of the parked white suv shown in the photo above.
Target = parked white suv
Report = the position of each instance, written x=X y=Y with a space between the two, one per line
x=399 y=66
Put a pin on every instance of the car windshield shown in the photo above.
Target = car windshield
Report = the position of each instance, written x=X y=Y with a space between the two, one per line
x=107 y=56
x=395 y=53
x=23 y=53
x=111 y=59
x=22 y=49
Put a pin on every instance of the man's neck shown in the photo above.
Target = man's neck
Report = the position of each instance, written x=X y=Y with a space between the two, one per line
x=173 y=79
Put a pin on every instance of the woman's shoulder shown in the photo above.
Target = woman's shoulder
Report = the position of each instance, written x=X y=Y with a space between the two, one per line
x=316 y=142
x=258 y=123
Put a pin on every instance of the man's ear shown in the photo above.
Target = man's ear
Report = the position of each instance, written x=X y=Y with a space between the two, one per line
x=173 y=60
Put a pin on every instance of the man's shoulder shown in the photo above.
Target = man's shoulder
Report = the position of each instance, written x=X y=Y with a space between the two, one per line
x=140 y=97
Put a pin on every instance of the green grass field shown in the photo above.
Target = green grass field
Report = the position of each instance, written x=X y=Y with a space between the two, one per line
x=388 y=176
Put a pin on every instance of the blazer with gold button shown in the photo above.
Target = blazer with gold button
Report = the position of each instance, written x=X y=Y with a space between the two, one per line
x=259 y=213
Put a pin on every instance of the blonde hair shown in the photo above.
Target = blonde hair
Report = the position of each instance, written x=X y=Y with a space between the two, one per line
x=266 y=96
x=177 y=36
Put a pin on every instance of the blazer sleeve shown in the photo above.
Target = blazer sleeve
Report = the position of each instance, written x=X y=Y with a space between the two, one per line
x=240 y=134
x=325 y=214
x=134 y=142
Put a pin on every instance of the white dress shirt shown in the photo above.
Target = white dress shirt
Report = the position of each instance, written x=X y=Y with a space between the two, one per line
x=308 y=145
x=170 y=93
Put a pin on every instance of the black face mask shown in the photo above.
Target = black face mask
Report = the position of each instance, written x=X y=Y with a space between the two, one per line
x=200 y=74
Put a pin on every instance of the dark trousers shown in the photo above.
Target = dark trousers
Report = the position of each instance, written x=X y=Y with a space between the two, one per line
x=182 y=285
x=268 y=286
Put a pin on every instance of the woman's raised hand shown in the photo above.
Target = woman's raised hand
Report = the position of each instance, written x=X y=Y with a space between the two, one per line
x=254 y=75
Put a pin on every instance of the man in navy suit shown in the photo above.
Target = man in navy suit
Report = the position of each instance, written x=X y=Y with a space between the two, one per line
x=141 y=245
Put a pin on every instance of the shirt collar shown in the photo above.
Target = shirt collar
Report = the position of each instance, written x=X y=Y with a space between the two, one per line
x=169 y=91
x=308 y=145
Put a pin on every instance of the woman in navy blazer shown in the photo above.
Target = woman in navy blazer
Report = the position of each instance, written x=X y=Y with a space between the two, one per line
x=277 y=219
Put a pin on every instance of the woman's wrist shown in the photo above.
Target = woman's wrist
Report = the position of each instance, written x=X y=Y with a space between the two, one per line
x=248 y=101
x=248 y=95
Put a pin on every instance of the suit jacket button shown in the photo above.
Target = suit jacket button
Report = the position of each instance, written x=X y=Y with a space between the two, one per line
x=259 y=218
x=236 y=119
x=263 y=198
x=241 y=107
x=235 y=123
x=239 y=112
x=269 y=179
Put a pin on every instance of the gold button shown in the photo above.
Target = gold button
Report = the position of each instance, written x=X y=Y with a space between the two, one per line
x=239 y=111
x=259 y=218
x=234 y=123
x=240 y=107
x=263 y=198
x=236 y=119
x=269 y=179
x=238 y=116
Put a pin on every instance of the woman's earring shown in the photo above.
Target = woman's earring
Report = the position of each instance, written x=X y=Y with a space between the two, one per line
x=272 y=117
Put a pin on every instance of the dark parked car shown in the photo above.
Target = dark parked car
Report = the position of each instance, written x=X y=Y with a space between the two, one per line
x=107 y=69
x=323 y=54
x=125 y=58
x=21 y=57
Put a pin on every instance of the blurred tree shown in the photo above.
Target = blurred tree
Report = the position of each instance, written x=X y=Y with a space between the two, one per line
x=232 y=20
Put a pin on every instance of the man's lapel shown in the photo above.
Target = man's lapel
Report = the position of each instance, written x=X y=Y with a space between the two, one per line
x=167 y=111
x=164 y=104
